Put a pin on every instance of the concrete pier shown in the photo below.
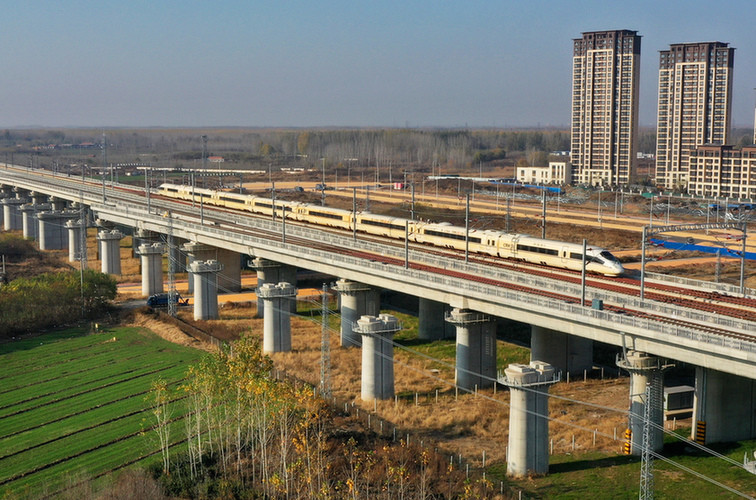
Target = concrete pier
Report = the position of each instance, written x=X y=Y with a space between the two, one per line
x=277 y=322
x=205 y=275
x=151 y=256
x=229 y=279
x=53 y=234
x=74 y=240
x=724 y=407
x=567 y=353
x=377 y=355
x=357 y=300
x=110 y=251
x=12 y=219
x=58 y=204
x=269 y=271
x=645 y=370
x=431 y=321
x=29 y=221
x=528 y=449
x=476 y=348
x=39 y=198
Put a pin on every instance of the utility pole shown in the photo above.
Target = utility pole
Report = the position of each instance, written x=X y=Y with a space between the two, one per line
x=82 y=249
x=325 y=348
x=413 y=201
x=104 y=162
x=147 y=187
x=172 y=299
x=204 y=154
x=354 y=213
x=647 y=459
x=467 y=228
x=582 y=273
x=543 y=214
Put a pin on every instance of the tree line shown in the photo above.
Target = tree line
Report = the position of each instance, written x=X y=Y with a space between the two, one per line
x=53 y=299
x=248 y=435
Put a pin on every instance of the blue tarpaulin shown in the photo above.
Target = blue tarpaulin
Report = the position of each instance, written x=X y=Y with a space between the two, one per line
x=690 y=247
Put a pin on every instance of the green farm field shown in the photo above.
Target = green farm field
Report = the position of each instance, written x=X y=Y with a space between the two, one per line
x=76 y=405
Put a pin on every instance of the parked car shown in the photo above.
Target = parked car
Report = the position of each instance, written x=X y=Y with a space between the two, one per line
x=161 y=300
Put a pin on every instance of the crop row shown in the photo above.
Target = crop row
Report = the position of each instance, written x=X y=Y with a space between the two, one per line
x=44 y=435
x=57 y=371
x=73 y=350
x=40 y=356
x=95 y=464
x=59 y=425
x=63 y=387
x=87 y=400
x=78 y=443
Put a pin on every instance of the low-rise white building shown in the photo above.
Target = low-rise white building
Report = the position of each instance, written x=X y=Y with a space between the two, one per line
x=558 y=172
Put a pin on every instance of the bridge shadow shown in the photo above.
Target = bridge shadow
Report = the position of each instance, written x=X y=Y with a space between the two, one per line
x=597 y=463
x=34 y=340
x=671 y=450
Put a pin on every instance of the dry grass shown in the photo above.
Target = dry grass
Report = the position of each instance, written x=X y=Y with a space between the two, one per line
x=166 y=331
x=463 y=423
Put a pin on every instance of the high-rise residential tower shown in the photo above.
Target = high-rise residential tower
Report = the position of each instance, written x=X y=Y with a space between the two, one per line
x=605 y=69
x=695 y=106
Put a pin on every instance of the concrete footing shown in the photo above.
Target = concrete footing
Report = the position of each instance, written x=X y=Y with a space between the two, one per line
x=567 y=353
x=272 y=272
x=142 y=237
x=476 y=348
x=151 y=256
x=110 y=251
x=724 y=407
x=377 y=355
x=528 y=450
x=277 y=322
x=645 y=371
x=205 y=276
x=356 y=300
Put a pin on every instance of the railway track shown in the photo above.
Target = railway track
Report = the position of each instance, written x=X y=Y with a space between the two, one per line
x=713 y=307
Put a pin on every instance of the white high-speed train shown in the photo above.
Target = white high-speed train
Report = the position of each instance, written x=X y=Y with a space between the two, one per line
x=494 y=243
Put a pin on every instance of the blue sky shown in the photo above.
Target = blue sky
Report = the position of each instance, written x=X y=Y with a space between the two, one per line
x=380 y=63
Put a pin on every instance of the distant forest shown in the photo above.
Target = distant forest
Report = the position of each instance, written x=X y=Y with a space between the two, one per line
x=424 y=149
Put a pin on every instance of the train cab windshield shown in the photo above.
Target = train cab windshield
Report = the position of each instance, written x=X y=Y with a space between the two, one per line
x=608 y=256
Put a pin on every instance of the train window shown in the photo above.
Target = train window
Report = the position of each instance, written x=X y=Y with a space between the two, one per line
x=263 y=205
x=325 y=214
x=226 y=198
x=378 y=223
x=576 y=256
x=528 y=248
x=609 y=257
x=452 y=236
